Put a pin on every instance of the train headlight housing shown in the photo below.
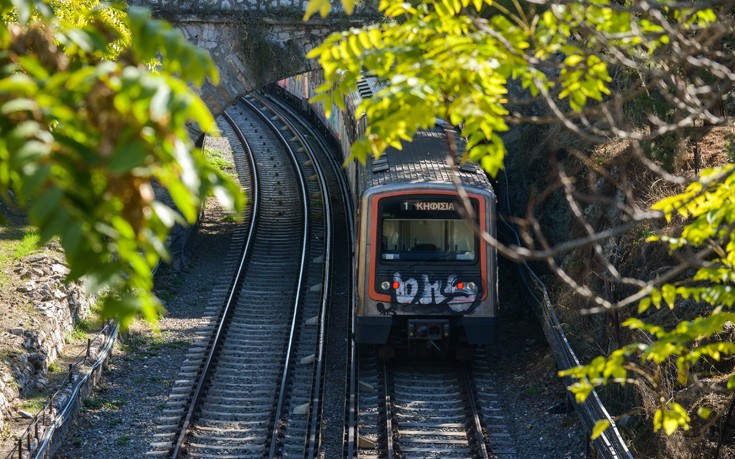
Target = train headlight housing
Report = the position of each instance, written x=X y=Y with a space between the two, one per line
x=385 y=285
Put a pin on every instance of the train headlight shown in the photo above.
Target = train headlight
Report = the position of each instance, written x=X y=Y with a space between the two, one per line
x=385 y=285
x=471 y=286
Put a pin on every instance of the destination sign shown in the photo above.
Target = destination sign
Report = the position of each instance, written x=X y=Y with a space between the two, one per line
x=428 y=205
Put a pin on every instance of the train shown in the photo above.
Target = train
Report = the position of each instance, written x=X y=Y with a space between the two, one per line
x=425 y=279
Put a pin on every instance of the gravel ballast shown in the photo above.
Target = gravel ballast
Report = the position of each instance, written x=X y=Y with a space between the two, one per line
x=119 y=420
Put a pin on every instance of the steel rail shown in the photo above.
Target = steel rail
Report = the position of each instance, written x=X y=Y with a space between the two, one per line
x=297 y=301
x=312 y=445
x=351 y=410
x=316 y=391
x=610 y=443
x=475 y=415
x=67 y=412
x=219 y=335
x=388 y=413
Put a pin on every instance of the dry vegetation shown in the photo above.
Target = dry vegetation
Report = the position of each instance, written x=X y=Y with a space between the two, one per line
x=598 y=334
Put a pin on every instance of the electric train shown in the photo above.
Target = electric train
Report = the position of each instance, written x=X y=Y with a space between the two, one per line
x=424 y=277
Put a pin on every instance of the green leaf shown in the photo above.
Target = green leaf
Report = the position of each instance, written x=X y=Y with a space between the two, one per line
x=128 y=154
x=668 y=292
x=349 y=6
x=159 y=104
x=42 y=209
x=18 y=105
x=644 y=304
x=670 y=419
x=19 y=84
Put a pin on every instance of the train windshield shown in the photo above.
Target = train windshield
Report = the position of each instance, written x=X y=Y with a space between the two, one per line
x=413 y=230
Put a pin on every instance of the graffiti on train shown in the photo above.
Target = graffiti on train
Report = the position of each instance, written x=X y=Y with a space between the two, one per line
x=449 y=294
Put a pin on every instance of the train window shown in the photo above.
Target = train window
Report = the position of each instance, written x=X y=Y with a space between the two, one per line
x=424 y=228
x=427 y=239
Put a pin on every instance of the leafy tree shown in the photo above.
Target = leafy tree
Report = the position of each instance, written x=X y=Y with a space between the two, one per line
x=485 y=65
x=89 y=125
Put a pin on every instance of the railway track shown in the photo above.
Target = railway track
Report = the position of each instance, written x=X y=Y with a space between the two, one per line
x=257 y=389
x=253 y=385
x=327 y=424
x=425 y=409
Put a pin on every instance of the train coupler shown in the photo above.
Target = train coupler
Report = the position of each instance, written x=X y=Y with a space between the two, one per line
x=431 y=330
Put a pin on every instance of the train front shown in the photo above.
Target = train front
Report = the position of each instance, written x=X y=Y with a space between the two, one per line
x=425 y=278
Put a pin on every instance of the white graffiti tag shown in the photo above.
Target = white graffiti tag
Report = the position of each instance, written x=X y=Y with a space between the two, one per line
x=406 y=291
x=458 y=299
x=431 y=293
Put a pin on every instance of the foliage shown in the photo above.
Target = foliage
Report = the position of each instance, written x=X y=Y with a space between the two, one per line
x=455 y=59
x=445 y=60
x=84 y=138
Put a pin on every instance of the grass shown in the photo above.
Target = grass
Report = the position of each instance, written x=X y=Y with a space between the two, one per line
x=103 y=403
x=531 y=391
x=217 y=159
x=27 y=245
x=16 y=241
x=34 y=404
x=80 y=332
x=123 y=440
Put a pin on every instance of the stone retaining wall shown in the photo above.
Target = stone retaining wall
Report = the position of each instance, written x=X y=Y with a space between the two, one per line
x=55 y=308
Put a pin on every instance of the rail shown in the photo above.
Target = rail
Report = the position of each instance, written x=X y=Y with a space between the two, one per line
x=283 y=392
x=317 y=388
x=476 y=424
x=350 y=434
x=609 y=445
x=38 y=439
x=218 y=336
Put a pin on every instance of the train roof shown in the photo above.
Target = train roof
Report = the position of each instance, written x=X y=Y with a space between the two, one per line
x=424 y=160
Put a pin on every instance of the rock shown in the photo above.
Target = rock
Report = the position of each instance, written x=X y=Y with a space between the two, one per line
x=59 y=269
x=57 y=305
x=60 y=400
x=27 y=287
x=25 y=414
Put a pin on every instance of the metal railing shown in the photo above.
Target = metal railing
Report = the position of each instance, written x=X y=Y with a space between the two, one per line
x=37 y=441
x=609 y=445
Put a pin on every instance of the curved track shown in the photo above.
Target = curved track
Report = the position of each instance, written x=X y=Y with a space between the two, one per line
x=326 y=426
x=250 y=398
